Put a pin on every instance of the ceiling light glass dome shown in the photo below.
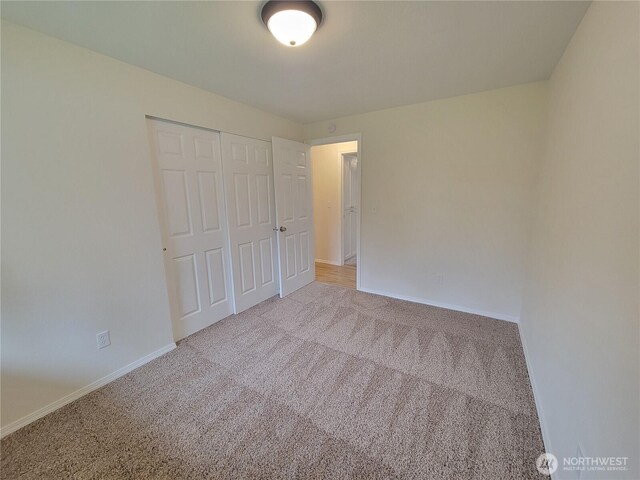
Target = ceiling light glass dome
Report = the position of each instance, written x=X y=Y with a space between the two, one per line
x=291 y=22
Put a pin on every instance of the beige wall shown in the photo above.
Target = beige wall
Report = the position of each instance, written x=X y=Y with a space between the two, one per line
x=327 y=198
x=580 y=322
x=81 y=246
x=446 y=197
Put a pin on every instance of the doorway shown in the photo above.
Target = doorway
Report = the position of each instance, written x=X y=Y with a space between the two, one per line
x=336 y=208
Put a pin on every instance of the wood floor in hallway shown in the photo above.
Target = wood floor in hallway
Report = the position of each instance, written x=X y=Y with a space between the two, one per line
x=344 y=275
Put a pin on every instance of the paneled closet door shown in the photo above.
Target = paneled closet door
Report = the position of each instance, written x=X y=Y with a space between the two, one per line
x=294 y=209
x=188 y=171
x=248 y=182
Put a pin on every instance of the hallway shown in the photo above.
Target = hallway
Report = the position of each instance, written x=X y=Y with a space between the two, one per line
x=337 y=275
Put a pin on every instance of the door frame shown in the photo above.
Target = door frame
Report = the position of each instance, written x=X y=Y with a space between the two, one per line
x=350 y=137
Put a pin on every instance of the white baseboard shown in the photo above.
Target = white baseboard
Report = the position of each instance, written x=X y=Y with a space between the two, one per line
x=536 y=398
x=32 y=417
x=329 y=262
x=457 y=308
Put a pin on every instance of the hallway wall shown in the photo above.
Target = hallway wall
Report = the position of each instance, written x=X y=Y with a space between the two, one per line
x=327 y=197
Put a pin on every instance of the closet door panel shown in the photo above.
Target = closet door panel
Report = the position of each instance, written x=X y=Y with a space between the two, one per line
x=248 y=180
x=188 y=175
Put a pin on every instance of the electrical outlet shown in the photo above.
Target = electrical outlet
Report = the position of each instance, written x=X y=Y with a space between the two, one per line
x=103 y=339
x=440 y=278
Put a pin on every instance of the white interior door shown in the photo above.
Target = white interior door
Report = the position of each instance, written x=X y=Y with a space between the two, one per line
x=294 y=214
x=188 y=173
x=248 y=181
x=349 y=205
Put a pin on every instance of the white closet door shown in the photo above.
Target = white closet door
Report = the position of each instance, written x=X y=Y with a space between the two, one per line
x=188 y=172
x=350 y=199
x=248 y=180
x=294 y=213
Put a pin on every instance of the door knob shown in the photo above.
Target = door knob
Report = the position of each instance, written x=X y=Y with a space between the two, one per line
x=283 y=229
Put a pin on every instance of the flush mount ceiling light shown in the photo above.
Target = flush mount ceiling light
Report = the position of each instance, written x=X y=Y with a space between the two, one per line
x=291 y=22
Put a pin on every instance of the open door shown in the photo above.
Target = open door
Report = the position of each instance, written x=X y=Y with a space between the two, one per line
x=294 y=213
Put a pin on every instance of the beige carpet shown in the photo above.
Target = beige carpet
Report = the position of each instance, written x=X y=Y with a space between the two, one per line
x=326 y=383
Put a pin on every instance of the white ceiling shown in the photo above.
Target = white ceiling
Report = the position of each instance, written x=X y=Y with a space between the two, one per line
x=365 y=56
